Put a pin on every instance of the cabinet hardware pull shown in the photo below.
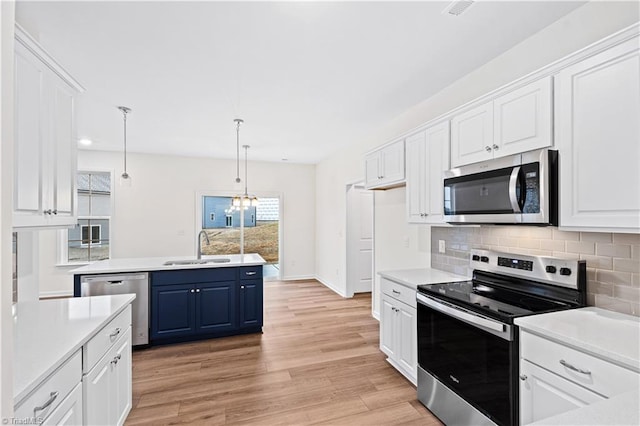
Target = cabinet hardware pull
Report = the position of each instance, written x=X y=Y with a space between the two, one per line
x=115 y=332
x=571 y=367
x=487 y=148
x=395 y=291
x=250 y=273
x=55 y=211
x=523 y=377
x=193 y=291
x=197 y=290
x=496 y=147
x=47 y=211
x=52 y=397
x=241 y=286
x=115 y=359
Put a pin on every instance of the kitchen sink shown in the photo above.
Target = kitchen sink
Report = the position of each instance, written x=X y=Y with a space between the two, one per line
x=196 y=261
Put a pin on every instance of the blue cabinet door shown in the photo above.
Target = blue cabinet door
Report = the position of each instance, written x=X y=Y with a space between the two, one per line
x=216 y=307
x=250 y=303
x=173 y=311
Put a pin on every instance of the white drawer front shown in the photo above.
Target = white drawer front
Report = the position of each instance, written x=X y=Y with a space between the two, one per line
x=591 y=372
x=69 y=412
x=105 y=338
x=398 y=291
x=46 y=397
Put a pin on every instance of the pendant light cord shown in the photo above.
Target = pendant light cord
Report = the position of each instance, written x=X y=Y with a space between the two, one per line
x=246 y=147
x=125 y=111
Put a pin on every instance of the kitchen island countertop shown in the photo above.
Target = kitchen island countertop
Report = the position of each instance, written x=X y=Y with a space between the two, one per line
x=143 y=264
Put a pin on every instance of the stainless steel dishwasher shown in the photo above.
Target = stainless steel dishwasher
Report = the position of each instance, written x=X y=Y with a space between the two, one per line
x=138 y=283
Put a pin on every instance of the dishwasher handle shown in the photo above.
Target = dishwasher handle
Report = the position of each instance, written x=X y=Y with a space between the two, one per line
x=113 y=279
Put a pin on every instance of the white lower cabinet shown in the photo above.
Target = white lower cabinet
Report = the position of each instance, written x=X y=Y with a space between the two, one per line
x=555 y=378
x=544 y=394
x=398 y=329
x=69 y=412
x=107 y=386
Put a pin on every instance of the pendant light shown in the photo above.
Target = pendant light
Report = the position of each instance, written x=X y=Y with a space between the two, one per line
x=236 y=201
x=247 y=200
x=125 y=178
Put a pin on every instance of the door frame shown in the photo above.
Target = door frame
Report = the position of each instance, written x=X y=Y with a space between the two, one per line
x=259 y=194
x=349 y=286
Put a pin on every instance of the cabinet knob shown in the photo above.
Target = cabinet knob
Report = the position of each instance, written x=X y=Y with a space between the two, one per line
x=523 y=377
x=241 y=286
x=487 y=148
x=197 y=290
x=496 y=147
x=193 y=291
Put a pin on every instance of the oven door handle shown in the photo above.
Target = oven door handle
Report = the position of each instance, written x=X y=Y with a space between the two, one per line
x=460 y=314
x=513 y=196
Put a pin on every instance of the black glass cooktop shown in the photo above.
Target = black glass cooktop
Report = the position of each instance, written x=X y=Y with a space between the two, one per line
x=492 y=301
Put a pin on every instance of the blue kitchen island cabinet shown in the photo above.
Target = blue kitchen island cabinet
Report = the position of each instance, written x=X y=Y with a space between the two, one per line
x=195 y=304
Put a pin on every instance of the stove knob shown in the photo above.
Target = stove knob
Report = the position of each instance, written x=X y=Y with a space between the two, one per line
x=550 y=269
x=475 y=257
x=565 y=271
x=484 y=259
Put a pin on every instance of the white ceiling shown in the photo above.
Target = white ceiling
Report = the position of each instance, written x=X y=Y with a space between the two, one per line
x=307 y=77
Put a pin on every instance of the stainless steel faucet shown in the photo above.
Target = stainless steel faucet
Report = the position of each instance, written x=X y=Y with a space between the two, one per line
x=206 y=237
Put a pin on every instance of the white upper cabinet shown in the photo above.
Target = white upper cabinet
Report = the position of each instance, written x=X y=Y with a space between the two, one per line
x=472 y=135
x=384 y=168
x=45 y=149
x=597 y=106
x=427 y=159
x=516 y=122
x=522 y=119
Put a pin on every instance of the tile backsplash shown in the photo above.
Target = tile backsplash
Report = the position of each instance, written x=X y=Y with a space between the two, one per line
x=613 y=260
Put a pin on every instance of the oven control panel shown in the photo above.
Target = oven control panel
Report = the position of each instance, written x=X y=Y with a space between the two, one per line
x=552 y=270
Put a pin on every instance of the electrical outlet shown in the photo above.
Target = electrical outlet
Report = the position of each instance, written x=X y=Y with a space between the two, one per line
x=441 y=246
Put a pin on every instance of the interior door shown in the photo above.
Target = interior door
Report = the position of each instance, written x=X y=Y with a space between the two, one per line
x=360 y=239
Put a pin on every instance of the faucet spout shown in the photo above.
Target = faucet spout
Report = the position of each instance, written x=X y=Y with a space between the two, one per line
x=206 y=237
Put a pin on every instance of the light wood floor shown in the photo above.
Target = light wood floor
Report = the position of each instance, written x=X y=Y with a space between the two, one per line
x=318 y=361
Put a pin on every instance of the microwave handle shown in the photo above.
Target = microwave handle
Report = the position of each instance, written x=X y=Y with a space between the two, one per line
x=513 y=197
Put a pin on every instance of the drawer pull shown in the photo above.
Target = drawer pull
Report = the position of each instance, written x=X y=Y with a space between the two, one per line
x=571 y=367
x=250 y=273
x=116 y=359
x=395 y=291
x=115 y=332
x=523 y=377
x=52 y=397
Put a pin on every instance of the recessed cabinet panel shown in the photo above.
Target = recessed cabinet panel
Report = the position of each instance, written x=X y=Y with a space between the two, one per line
x=416 y=177
x=472 y=136
x=251 y=304
x=173 y=310
x=29 y=118
x=215 y=306
x=387 y=326
x=522 y=119
x=597 y=134
x=64 y=152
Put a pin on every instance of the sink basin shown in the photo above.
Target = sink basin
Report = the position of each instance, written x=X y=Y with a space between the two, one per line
x=196 y=261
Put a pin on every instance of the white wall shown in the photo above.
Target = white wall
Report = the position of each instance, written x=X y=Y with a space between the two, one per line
x=7 y=19
x=156 y=216
x=576 y=30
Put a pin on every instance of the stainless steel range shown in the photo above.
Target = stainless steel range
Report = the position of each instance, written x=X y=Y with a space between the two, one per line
x=467 y=342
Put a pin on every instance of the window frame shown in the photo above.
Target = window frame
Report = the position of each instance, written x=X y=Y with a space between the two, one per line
x=63 y=234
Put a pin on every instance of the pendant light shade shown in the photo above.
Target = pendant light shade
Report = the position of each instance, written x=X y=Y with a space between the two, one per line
x=242 y=201
x=125 y=178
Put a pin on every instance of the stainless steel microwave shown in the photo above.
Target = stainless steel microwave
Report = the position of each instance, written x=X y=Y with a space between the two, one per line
x=518 y=189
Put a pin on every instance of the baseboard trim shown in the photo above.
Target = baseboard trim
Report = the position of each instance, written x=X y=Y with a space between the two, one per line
x=298 y=278
x=330 y=287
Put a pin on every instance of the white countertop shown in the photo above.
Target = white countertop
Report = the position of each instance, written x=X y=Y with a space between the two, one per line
x=602 y=333
x=619 y=410
x=412 y=278
x=141 y=264
x=47 y=332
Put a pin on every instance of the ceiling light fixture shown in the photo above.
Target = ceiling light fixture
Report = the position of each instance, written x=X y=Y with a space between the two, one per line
x=236 y=201
x=125 y=178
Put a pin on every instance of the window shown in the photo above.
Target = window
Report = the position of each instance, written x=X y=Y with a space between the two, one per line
x=89 y=240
